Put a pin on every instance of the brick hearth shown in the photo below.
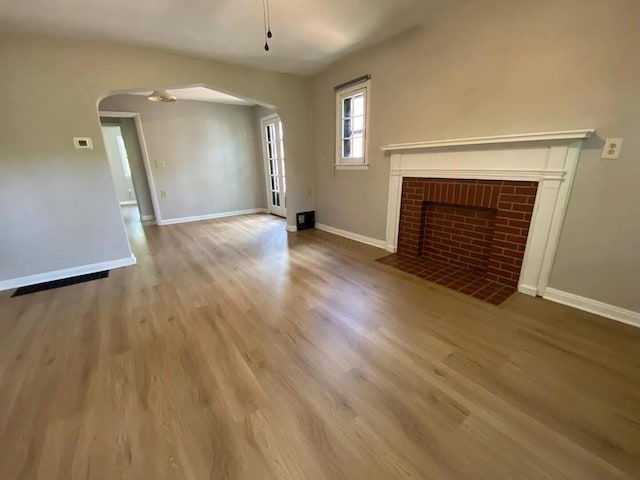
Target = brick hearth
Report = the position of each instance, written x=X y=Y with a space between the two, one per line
x=475 y=228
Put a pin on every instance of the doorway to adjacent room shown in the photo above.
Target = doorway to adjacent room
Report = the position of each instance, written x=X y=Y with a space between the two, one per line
x=273 y=152
x=126 y=161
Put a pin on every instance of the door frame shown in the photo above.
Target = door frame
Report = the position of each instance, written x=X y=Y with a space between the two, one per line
x=265 y=162
x=145 y=156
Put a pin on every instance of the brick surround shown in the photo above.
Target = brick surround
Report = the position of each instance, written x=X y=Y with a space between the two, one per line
x=477 y=225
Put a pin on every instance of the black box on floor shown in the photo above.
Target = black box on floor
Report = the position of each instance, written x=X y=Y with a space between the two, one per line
x=306 y=220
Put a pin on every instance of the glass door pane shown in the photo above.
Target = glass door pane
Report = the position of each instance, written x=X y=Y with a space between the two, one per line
x=272 y=154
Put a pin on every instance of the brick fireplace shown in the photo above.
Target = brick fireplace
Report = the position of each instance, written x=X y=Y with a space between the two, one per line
x=481 y=215
x=473 y=231
x=478 y=225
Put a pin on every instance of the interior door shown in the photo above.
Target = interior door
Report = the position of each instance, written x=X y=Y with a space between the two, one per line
x=273 y=151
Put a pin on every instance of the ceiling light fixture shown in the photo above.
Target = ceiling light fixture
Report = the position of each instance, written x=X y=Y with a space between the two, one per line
x=161 y=96
x=267 y=24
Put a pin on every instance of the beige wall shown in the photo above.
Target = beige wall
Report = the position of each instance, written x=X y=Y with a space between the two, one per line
x=209 y=154
x=68 y=213
x=497 y=67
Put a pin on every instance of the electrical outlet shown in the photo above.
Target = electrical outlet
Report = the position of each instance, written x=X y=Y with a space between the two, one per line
x=160 y=164
x=612 y=148
x=163 y=193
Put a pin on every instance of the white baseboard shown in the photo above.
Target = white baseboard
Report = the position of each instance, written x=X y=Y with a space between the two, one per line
x=66 y=273
x=147 y=218
x=593 y=306
x=128 y=202
x=211 y=216
x=528 y=290
x=291 y=228
x=374 y=242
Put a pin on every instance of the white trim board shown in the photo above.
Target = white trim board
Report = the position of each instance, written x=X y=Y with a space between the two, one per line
x=521 y=137
x=211 y=216
x=374 y=242
x=484 y=174
x=128 y=202
x=66 y=273
x=593 y=306
x=291 y=228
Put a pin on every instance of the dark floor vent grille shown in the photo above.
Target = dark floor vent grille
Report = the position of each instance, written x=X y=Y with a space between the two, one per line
x=40 y=287
x=306 y=220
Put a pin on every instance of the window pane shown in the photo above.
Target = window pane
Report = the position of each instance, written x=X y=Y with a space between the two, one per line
x=346 y=107
x=268 y=130
x=358 y=125
x=346 y=149
x=277 y=201
x=347 y=131
x=273 y=184
x=357 y=147
x=358 y=104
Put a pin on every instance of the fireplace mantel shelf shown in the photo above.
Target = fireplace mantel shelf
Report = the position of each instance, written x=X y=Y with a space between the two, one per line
x=524 y=137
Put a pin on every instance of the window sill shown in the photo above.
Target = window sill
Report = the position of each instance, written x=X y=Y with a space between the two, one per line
x=355 y=166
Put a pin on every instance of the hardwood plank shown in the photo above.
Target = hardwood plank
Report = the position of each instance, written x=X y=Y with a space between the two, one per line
x=236 y=350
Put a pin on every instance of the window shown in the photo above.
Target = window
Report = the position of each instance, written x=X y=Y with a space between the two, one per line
x=123 y=156
x=352 y=115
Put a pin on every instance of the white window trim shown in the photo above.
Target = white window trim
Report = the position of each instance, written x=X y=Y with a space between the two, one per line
x=349 y=164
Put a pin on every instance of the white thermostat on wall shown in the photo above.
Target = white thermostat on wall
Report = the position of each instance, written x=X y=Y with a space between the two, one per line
x=83 y=142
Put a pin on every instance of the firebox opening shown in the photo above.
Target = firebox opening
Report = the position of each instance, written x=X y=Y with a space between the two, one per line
x=468 y=235
x=459 y=235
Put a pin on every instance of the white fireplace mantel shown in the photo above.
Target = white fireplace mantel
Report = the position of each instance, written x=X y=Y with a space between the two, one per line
x=550 y=158
x=516 y=138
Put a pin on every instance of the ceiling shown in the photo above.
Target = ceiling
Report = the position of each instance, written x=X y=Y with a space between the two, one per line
x=202 y=94
x=307 y=34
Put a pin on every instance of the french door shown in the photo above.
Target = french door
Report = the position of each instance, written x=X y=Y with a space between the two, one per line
x=273 y=151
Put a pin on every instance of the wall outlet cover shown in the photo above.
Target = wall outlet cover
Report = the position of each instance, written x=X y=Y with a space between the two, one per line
x=612 y=148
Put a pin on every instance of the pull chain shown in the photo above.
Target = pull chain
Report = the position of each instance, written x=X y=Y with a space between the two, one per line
x=267 y=24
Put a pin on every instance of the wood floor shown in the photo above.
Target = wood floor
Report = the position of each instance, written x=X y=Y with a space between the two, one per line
x=234 y=350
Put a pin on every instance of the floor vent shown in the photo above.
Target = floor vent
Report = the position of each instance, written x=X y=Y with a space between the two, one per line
x=40 y=287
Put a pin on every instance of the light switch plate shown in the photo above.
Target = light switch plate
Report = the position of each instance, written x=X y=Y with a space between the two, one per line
x=612 y=148
x=160 y=164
